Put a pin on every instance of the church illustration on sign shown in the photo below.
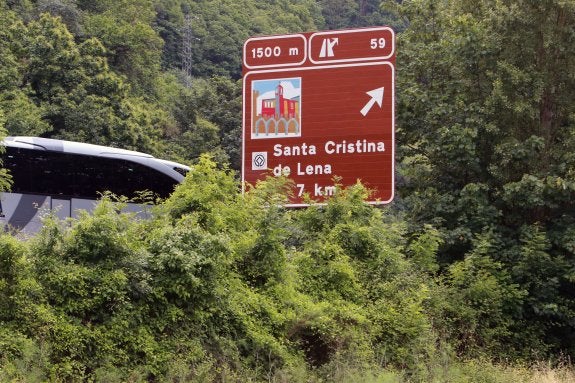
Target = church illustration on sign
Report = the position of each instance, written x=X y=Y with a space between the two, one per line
x=276 y=108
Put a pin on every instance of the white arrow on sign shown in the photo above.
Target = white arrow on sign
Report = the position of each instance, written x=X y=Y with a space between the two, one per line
x=376 y=96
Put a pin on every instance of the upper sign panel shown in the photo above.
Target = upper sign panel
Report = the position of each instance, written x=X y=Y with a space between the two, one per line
x=352 y=45
x=279 y=51
x=320 y=48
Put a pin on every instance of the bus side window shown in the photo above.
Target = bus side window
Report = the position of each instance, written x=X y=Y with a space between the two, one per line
x=16 y=161
x=130 y=177
x=81 y=176
x=89 y=176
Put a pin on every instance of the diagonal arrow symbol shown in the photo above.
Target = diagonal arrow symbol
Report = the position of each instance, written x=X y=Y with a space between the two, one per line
x=376 y=97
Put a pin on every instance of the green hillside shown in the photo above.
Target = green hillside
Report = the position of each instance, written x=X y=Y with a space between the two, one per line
x=468 y=276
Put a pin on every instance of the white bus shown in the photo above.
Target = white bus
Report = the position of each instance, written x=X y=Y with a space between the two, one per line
x=65 y=177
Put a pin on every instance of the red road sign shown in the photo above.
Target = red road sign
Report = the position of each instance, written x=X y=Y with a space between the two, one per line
x=320 y=110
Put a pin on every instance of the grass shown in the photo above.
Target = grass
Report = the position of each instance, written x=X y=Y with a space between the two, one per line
x=543 y=373
x=473 y=371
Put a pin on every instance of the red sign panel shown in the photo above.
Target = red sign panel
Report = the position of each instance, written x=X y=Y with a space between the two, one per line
x=314 y=121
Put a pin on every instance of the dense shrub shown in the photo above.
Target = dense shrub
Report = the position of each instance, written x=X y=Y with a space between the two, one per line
x=231 y=287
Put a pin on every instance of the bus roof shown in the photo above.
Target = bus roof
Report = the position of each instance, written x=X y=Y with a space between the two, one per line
x=54 y=145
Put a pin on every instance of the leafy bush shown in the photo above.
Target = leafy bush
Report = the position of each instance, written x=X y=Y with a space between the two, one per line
x=221 y=286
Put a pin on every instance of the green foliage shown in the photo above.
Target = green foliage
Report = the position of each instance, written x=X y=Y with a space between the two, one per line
x=135 y=48
x=109 y=72
x=423 y=249
x=219 y=100
x=229 y=287
x=480 y=303
x=486 y=124
x=203 y=191
x=213 y=277
x=223 y=286
x=11 y=259
x=220 y=27
x=339 y=14
x=5 y=178
x=23 y=116
x=65 y=89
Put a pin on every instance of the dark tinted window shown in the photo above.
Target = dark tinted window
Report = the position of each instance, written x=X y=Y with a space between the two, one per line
x=81 y=176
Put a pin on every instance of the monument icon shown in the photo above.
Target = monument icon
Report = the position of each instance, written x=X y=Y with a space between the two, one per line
x=276 y=108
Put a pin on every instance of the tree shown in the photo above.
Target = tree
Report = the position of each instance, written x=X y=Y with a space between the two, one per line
x=487 y=131
x=5 y=179
x=22 y=115
x=219 y=100
x=340 y=14
x=134 y=48
x=66 y=10
x=74 y=93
